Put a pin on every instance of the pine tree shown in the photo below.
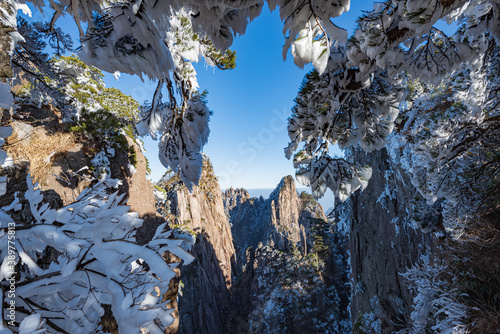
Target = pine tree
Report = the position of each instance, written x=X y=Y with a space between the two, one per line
x=160 y=39
x=356 y=100
x=352 y=99
x=76 y=260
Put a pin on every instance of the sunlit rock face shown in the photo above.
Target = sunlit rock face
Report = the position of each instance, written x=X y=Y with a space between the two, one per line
x=280 y=221
x=281 y=265
x=294 y=273
x=205 y=303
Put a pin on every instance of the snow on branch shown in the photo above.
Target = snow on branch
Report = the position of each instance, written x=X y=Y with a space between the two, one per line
x=94 y=261
x=448 y=144
x=308 y=29
x=436 y=306
x=341 y=108
x=342 y=177
x=357 y=98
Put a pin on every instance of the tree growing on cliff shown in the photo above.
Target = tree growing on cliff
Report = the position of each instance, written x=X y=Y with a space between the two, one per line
x=352 y=99
x=31 y=58
x=356 y=100
x=100 y=116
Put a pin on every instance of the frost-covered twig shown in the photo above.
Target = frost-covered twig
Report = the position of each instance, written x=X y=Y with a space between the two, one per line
x=92 y=243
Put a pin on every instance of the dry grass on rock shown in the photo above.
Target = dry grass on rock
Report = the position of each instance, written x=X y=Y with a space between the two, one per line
x=38 y=148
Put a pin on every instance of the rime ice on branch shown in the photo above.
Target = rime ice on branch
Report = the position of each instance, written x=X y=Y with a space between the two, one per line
x=94 y=262
x=356 y=100
x=353 y=99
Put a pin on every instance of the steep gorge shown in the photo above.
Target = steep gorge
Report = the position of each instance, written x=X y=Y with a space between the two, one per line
x=294 y=266
x=279 y=265
x=275 y=265
x=204 y=306
x=258 y=260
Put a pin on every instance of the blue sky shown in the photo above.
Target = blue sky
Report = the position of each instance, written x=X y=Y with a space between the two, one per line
x=250 y=105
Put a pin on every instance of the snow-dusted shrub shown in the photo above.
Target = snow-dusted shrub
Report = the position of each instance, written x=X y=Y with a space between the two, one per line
x=447 y=141
x=71 y=262
x=437 y=307
x=101 y=163
x=105 y=132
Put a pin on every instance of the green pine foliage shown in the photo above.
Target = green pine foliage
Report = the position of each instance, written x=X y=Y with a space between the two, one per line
x=88 y=87
x=102 y=129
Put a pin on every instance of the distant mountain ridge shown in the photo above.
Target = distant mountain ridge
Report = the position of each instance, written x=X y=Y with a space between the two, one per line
x=255 y=259
x=327 y=201
x=280 y=265
x=278 y=220
x=293 y=261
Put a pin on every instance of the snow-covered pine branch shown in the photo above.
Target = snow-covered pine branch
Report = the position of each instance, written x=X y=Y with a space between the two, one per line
x=342 y=177
x=336 y=109
x=356 y=100
x=448 y=143
x=31 y=59
x=400 y=36
x=160 y=40
x=352 y=100
x=94 y=261
x=8 y=38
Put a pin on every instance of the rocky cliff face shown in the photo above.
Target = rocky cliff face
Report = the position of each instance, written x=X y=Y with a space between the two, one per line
x=293 y=264
x=282 y=220
x=204 y=305
x=60 y=162
x=357 y=280
x=282 y=276
x=382 y=245
x=275 y=265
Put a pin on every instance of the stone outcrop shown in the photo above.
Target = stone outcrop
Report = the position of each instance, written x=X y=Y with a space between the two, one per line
x=382 y=245
x=137 y=186
x=234 y=197
x=281 y=220
x=281 y=268
x=64 y=172
x=285 y=214
x=204 y=306
x=293 y=264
